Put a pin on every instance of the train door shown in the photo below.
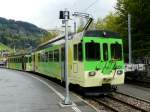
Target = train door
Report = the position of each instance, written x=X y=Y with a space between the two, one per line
x=106 y=58
x=33 y=61
x=24 y=63
x=77 y=61
x=75 y=58
x=62 y=64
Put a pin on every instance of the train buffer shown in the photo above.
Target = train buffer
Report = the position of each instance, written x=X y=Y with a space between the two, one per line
x=25 y=92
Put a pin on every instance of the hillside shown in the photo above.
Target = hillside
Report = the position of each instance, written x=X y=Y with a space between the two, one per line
x=19 y=34
x=4 y=47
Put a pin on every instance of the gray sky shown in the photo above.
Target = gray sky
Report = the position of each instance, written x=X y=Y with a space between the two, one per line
x=45 y=13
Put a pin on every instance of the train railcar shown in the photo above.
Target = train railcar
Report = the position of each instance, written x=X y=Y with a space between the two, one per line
x=95 y=59
x=28 y=62
x=16 y=62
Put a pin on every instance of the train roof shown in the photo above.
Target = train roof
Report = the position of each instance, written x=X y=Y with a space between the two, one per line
x=101 y=33
x=89 y=33
x=58 y=39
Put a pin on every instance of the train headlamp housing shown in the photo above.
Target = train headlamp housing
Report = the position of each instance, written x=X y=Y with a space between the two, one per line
x=119 y=72
x=92 y=73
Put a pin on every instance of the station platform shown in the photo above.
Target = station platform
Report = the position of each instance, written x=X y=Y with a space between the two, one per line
x=136 y=91
x=25 y=92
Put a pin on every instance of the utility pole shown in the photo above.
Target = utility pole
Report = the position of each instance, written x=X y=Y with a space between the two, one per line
x=65 y=16
x=129 y=39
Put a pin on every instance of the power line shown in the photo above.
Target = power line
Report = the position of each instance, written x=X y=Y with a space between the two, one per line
x=90 y=5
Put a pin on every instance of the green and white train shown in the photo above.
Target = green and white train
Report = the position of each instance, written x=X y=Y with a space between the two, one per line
x=95 y=59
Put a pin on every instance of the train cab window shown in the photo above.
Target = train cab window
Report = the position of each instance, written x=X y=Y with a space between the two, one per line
x=75 y=52
x=105 y=52
x=56 y=55
x=50 y=55
x=92 y=51
x=62 y=54
x=80 y=52
x=116 y=51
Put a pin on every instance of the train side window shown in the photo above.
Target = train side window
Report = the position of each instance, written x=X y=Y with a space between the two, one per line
x=105 y=52
x=46 y=56
x=56 y=55
x=80 y=52
x=39 y=57
x=62 y=54
x=50 y=55
x=30 y=59
x=43 y=57
x=75 y=51
x=19 y=60
x=26 y=60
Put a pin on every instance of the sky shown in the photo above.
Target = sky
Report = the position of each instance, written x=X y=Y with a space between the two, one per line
x=45 y=13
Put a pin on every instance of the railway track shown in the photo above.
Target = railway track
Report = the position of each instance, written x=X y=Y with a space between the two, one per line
x=119 y=102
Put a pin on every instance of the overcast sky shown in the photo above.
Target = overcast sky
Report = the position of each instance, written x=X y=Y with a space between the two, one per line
x=45 y=13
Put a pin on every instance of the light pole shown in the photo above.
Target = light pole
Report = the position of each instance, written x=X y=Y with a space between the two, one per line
x=129 y=39
x=65 y=16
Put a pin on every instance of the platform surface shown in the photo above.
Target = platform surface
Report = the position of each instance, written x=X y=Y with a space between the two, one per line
x=134 y=90
x=25 y=92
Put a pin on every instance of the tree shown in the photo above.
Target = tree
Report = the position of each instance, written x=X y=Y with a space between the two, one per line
x=140 y=16
x=48 y=36
x=107 y=23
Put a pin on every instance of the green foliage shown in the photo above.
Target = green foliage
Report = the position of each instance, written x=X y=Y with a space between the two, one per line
x=20 y=34
x=107 y=23
x=140 y=16
x=4 y=48
x=48 y=36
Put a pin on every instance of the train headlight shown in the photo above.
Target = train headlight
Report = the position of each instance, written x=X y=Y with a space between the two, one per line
x=119 y=72
x=92 y=73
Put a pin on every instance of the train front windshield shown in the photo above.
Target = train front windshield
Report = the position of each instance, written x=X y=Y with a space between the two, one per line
x=116 y=51
x=92 y=51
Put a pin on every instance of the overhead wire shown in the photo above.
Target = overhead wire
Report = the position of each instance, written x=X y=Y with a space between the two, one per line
x=90 y=5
